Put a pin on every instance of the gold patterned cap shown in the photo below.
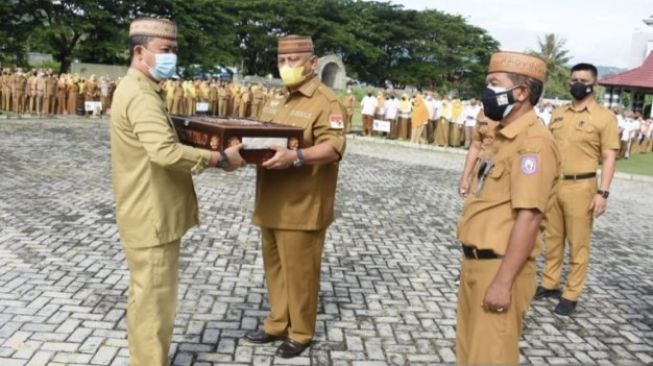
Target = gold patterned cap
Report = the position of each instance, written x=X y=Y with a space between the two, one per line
x=295 y=44
x=518 y=63
x=153 y=27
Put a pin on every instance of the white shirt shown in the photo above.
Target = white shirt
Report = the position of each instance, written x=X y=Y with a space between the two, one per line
x=544 y=114
x=471 y=112
x=369 y=105
x=437 y=104
x=391 y=108
x=432 y=106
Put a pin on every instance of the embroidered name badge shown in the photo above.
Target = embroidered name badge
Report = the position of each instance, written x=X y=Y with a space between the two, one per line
x=336 y=122
x=528 y=164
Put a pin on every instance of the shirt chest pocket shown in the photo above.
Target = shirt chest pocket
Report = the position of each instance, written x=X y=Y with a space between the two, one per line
x=557 y=131
x=497 y=183
x=494 y=185
x=585 y=132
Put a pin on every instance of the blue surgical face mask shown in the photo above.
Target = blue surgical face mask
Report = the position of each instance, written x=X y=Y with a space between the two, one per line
x=165 y=65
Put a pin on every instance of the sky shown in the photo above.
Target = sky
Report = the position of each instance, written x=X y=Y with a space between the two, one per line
x=597 y=31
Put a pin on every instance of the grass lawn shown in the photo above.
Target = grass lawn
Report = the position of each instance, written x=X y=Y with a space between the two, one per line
x=637 y=164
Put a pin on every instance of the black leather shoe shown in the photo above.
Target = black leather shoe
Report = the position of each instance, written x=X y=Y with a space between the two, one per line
x=290 y=349
x=542 y=293
x=260 y=337
x=565 y=307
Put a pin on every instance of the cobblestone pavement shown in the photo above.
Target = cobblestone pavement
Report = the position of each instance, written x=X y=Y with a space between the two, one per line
x=389 y=274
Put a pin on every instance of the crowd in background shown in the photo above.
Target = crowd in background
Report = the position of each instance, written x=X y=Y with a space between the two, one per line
x=450 y=121
x=40 y=92
x=421 y=117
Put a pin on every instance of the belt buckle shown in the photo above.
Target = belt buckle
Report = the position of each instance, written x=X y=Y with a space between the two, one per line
x=475 y=252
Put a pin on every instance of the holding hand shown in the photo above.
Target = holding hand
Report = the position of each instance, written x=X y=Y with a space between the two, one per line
x=230 y=158
x=283 y=158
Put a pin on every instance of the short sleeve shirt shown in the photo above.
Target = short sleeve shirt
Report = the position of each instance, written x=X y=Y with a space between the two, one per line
x=302 y=198
x=582 y=135
x=517 y=170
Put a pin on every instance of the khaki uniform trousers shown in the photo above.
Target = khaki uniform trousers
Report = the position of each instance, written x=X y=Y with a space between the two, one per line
x=349 y=117
x=485 y=337
x=222 y=106
x=417 y=134
x=292 y=261
x=455 y=130
x=404 y=128
x=394 y=129
x=152 y=303
x=6 y=100
x=442 y=133
x=368 y=123
x=569 y=217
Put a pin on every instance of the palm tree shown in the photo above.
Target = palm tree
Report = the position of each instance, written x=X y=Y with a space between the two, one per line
x=553 y=52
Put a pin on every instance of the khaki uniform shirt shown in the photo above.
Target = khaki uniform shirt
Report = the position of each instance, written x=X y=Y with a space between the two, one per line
x=50 y=86
x=582 y=136
x=349 y=101
x=150 y=169
x=302 y=198
x=484 y=130
x=525 y=168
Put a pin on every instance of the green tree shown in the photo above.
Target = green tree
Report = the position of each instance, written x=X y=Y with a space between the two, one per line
x=551 y=49
x=379 y=41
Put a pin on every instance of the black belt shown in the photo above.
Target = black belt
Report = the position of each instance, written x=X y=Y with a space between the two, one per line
x=475 y=253
x=578 y=176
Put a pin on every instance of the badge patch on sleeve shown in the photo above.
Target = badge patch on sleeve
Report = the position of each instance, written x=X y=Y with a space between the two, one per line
x=528 y=164
x=336 y=122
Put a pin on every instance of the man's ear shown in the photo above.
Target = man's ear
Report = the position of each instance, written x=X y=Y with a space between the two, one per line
x=522 y=93
x=313 y=63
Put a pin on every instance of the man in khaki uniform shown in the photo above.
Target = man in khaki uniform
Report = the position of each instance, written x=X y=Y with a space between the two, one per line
x=5 y=101
x=513 y=182
x=257 y=100
x=587 y=134
x=177 y=97
x=20 y=85
x=295 y=192
x=155 y=199
x=30 y=93
x=222 y=99
x=349 y=102
x=62 y=92
x=40 y=92
x=49 y=102
x=213 y=98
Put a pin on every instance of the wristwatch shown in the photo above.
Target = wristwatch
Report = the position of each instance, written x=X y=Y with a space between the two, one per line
x=300 y=159
x=603 y=193
x=224 y=160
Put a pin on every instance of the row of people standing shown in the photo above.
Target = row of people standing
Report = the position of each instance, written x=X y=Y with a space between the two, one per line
x=41 y=92
x=446 y=121
x=635 y=133
x=215 y=97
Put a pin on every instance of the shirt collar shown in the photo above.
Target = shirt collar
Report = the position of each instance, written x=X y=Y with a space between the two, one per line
x=140 y=76
x=590 y=107
x=308 y=88
x=517 y=126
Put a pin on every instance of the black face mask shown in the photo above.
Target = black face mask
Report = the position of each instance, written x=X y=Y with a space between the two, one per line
x=579 y=90
x=369 y=94
x=496 y=104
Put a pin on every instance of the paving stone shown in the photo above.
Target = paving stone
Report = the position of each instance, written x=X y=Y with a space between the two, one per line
x=388 y=281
